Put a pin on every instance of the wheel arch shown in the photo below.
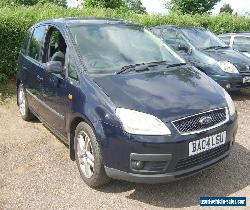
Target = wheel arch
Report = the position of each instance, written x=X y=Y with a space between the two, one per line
x=71 y=127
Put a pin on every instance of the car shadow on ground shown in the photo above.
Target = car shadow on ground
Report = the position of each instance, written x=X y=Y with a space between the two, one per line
x=240 y=96
x=223 y=179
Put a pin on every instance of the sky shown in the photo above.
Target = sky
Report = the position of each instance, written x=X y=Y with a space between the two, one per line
x=157 y=6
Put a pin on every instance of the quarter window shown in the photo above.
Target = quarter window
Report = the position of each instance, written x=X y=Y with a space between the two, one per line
x=72 y=72
x=36 y=43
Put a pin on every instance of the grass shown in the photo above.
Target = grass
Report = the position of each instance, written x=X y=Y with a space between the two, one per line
x=8 y=92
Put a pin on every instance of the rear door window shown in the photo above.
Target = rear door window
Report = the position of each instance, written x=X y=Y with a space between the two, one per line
x=36 y=43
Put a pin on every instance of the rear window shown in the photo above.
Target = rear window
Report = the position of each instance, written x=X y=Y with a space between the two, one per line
x=36 y=43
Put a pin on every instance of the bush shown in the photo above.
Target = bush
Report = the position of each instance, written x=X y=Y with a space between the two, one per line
x=14 y=22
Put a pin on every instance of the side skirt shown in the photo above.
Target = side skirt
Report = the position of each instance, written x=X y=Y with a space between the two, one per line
x=51 y=128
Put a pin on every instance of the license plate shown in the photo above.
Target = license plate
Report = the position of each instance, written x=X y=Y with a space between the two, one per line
x=246 y=79
x=210 y=142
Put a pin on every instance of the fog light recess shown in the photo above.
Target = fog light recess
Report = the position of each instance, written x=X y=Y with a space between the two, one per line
x=228 y=86
x=136 y=164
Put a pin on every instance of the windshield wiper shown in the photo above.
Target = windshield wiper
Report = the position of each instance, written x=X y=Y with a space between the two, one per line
x=146 y=66
x=143 y=66
x=133 y=67
x=216 y=47
x=140 y=66
x=176 y=64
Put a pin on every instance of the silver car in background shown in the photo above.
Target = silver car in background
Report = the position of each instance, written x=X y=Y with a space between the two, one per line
x=239 y=41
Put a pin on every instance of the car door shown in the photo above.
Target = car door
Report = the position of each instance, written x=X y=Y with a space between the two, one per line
x=57 y=88
x=33 y=68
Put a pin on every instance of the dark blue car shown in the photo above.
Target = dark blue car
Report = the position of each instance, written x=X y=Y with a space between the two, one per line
x=201 y=48
x=128 y=107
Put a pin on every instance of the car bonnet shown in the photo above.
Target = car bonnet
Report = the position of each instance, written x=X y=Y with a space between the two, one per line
x=168 y=94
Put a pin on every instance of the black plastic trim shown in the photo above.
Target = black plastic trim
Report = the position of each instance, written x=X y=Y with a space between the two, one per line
x=151 y=157
x=161 y=178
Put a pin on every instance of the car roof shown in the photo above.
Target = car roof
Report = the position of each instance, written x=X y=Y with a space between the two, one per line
x=243 y=33
x=177 y=27
x=74 y=21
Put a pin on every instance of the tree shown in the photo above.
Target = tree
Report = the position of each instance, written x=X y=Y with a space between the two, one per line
x=62 y=3
x=5 y=3
x=226 y=8
x=135 y=6
x=191 y=6
x=113 y=4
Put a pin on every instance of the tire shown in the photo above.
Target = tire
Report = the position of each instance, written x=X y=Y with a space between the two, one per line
x=88 y=156
x=23 y=104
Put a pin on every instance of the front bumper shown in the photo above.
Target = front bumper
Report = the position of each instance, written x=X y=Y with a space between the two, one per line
x=162 y=178
x=119 y=149
x=232 y=82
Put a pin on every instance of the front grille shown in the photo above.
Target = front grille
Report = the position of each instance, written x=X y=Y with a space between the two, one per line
x=195 y=123
x=201 y=158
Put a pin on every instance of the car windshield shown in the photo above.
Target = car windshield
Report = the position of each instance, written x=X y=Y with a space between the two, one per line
x=202 y=39
x=108 y=48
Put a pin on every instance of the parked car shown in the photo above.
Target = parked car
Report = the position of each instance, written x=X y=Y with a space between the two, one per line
x=126 y=104
x=238 y=41
x=204 y=50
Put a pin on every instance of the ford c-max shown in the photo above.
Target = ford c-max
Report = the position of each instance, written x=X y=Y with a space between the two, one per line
x=128 y=106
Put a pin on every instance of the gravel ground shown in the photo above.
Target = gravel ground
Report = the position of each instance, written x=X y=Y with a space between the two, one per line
x=36 y=172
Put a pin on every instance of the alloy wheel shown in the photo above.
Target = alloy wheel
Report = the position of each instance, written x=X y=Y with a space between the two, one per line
x=22 y=101
x=85 y=154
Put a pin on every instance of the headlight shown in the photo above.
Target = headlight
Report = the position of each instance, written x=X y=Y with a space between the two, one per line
x=227 y=67
x=230 y=103
x=135 y=122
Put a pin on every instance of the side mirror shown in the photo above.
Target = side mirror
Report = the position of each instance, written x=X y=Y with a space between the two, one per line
x=54 y=67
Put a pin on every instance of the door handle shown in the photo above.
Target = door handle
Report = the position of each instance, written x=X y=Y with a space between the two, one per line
x=39 y=78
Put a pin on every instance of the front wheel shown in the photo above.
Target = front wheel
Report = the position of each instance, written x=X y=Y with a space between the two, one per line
x=88 y=156
x=23 y=104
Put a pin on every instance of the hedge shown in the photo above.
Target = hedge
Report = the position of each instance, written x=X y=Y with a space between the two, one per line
x=14 y=22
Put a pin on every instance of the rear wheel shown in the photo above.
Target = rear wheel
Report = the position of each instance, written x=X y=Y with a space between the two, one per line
x=88 y=156
x=23 y=105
